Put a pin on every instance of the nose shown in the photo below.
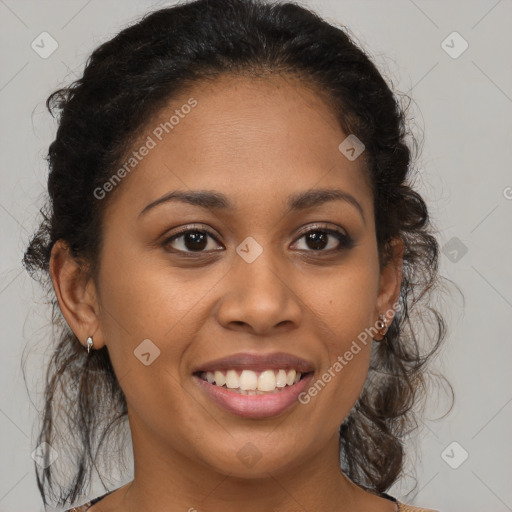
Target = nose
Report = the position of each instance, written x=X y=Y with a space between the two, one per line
x=260 y=298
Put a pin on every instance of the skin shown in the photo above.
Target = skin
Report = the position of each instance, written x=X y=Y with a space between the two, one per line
x=257 y=141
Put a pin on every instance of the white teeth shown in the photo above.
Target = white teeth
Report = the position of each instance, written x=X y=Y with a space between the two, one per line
x=232 y=379
x=248 y=382
x=267 y=381
x=281 y=379
x=220 y=379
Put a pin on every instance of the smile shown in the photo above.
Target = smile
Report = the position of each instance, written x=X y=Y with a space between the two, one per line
x=248 y=382
x=254 y=403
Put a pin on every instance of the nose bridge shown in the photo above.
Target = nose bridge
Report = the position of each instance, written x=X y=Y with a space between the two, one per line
x=259 y=278
x=258 y=296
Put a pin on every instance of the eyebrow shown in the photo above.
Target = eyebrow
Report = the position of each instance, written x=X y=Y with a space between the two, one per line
x=217 y=201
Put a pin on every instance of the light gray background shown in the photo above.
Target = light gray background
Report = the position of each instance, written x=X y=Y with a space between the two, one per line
x=464 y=106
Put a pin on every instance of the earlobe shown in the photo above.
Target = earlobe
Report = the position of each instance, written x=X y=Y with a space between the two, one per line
x=76 y=294
x=390 y=282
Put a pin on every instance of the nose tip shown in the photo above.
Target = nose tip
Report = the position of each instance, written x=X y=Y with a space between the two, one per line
x=259 y=300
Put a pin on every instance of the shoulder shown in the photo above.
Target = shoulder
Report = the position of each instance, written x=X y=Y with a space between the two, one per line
x=81 y=508
x=402 y=507
x=89 y=504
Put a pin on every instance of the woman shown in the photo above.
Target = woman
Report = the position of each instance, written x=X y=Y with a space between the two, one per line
x=238 y=255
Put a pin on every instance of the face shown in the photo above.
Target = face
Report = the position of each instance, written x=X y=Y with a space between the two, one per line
x=268 y=274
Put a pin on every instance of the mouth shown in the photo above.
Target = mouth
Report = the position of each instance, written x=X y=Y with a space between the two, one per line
x=253 y=403
x=253 y=383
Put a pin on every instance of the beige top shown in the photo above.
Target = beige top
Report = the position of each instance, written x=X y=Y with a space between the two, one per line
x=408 y=508
x=401 y=507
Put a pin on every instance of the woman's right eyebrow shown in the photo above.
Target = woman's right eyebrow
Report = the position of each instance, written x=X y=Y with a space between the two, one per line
x=204 y=198
x=208 y=199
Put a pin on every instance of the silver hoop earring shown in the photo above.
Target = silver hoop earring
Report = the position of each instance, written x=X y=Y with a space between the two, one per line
x=89 y=344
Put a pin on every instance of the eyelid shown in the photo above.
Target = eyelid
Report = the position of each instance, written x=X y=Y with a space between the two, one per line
x=322 y=226
x=168 y=238
x=318 y=226
x=345 y=240
x=191 y=227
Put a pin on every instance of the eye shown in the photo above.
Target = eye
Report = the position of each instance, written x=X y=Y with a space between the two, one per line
x=323 y=239
x=191 y=240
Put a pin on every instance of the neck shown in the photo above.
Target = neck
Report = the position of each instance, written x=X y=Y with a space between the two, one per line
x=171 y=480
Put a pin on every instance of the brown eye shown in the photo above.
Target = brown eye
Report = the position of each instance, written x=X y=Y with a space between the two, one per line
x=190 y=240
x=317 y=240
x=326 y=240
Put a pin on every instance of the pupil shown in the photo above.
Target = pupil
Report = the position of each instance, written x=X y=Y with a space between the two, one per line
x=198 y=241
x=318 y=239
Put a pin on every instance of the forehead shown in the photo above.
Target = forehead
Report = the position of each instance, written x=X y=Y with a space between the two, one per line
x=252 y=138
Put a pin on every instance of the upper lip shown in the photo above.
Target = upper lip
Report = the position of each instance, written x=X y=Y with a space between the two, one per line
x=257 y=363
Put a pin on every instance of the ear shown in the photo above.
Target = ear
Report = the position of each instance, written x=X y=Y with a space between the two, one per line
x=76 y=294
x=390 y=282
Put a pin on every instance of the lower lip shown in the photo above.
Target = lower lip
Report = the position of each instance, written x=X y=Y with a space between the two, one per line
x=255 y=406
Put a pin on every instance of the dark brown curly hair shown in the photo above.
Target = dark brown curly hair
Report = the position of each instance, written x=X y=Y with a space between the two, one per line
x=126 y=81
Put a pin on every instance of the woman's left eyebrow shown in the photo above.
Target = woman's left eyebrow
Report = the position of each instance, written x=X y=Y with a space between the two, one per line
x=318 y=196
x=215 y=200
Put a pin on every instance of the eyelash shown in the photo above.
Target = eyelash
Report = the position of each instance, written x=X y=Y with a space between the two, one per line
x=345 y=240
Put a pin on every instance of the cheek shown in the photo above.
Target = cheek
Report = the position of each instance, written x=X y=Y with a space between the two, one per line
x=145 y=323
x=143 y=300
x=345 y=305
x=344 y=309
x=336 y=388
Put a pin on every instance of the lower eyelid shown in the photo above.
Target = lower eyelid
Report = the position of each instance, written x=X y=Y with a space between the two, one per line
x=167 y=241
x=345 y=241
